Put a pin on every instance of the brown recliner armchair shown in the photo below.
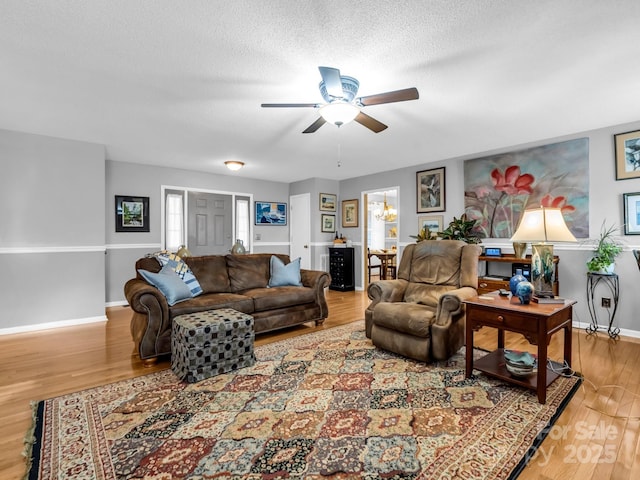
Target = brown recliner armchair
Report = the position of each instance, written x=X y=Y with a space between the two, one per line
x=420 y=315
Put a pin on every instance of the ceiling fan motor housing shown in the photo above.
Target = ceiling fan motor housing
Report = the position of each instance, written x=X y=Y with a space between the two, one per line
x=349 y=89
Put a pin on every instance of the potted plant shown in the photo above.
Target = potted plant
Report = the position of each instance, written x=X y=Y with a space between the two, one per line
x=605 y=252
x=423 y=234
x=461 y=229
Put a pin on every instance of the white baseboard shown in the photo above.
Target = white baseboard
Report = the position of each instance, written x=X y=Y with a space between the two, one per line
x=50 y=325
x=119 y=303
x=624 y=332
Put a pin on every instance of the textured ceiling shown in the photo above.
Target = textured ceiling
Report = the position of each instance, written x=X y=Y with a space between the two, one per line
x=179 y=83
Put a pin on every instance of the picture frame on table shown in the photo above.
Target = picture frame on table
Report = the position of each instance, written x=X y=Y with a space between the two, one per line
x=132 y=213
x=328 y=223
x=434 y=222
x=328 y=202
x=271 y=213
x=627 y=155
x=631 y=203
x=350 y=213
x=430 y=190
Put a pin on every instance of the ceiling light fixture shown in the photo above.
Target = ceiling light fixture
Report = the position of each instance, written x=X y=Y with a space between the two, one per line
x=388 y=213
x=339 y=113
x=234 y=165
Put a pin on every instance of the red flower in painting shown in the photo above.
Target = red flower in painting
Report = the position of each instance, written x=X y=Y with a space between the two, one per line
x=557 y=202
x=512 y=183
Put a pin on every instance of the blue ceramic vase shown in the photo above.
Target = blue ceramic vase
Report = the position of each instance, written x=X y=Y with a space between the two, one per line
x=524 y=291
x=515 y=280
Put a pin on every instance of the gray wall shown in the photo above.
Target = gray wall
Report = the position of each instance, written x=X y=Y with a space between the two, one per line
x=606 y=204
x=52 y=230
x=124 y=248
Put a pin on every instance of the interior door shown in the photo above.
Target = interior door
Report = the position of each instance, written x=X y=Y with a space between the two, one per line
x=209 y=223
x=300 y=229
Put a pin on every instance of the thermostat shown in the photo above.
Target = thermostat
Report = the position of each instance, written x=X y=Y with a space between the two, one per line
x=493 y=252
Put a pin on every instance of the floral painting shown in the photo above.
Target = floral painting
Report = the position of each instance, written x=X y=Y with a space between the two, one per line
x=500 y=187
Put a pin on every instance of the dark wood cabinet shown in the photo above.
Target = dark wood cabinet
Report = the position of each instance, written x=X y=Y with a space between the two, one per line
x=341 y=269
x=490 y=283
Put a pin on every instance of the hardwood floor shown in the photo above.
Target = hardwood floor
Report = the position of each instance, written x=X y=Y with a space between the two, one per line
x=597 y=436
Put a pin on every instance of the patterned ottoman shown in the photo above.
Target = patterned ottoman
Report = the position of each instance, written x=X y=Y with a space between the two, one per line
x=208 y=343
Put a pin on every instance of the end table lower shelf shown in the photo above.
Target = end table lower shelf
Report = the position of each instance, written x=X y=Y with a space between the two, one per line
x=494 y=364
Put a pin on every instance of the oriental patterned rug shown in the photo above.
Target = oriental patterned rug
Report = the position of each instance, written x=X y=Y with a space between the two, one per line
x=324 y=405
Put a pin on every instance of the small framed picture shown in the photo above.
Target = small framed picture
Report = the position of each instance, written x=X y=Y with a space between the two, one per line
x=430 y=190
x=350 y=213
x=132 y=214
x=434 y=222
x=328 y=223
x=631 y=213
x=328 y=202
x=627 y=155
x=271 y=213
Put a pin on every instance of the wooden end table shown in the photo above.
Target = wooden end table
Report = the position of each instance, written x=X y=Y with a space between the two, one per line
x=536 y=321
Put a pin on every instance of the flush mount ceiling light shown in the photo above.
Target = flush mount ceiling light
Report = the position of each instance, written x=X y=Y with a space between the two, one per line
x=234 y=165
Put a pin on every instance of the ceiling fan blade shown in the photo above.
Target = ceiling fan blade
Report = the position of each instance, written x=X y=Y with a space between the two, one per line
x=290 y=105
x=370 y=122
x=315 y=125
x=332 y=81
x=390 y=97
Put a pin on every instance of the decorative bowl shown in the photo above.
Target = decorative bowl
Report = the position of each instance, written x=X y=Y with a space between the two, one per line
x=519 y=370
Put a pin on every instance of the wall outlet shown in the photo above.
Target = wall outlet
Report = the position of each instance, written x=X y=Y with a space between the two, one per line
x=258 y=237
x=606 y=302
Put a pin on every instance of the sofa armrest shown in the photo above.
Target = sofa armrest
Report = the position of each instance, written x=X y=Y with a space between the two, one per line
x=318 y=281
x=150 y=318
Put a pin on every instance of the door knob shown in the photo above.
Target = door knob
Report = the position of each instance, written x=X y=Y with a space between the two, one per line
x=306 y=246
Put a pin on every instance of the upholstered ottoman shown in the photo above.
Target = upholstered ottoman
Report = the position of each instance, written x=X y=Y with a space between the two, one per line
x=212 y=342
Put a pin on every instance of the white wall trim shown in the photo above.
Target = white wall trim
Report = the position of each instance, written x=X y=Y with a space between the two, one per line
x=117 y=303
x=124 y=246
x=50 y=325
x=53 y=249
x=624 y=332
x=271 y=244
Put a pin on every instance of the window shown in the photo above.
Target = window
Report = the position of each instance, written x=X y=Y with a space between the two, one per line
x=243 y=220
x=174 y=227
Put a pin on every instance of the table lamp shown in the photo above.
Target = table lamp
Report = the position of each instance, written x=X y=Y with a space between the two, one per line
x=542 y=225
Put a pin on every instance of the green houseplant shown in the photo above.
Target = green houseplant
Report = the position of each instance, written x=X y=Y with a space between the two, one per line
x=461 y=229
x=423 y=234
x=605 y=252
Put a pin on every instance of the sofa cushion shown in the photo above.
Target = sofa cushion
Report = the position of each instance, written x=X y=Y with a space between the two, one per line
x=250 y=271
x=280 y=297
x=283 y=275
x=211 y=272
x=403 y=317
x=213 y=301
x=182 y=270
x=169 y=283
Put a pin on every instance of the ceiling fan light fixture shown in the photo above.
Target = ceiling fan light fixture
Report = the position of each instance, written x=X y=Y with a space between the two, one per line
x=339 y=113
x=234 y=164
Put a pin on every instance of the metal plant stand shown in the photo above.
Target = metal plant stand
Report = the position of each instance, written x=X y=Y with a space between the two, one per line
x=612 y=283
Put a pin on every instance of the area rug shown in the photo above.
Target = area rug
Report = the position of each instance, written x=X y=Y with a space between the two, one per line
x=324 y=405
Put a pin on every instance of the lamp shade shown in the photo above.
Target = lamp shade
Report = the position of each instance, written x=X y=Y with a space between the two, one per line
x=543 y=225
x=339 y=113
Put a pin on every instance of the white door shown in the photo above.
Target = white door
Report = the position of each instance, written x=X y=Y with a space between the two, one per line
x=300 y=229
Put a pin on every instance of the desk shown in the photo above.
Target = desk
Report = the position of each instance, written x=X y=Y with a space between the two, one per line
x=386 y=259
x=537 y=322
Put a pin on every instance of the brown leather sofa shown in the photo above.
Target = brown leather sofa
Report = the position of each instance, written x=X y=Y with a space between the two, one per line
x=420 y=315
x=228 y=281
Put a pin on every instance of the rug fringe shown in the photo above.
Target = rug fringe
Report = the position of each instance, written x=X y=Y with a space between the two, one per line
x=30 y=439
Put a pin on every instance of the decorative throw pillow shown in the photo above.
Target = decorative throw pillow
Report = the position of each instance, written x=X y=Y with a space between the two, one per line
x=282 y=275
x=182 y=270
x=170 y=284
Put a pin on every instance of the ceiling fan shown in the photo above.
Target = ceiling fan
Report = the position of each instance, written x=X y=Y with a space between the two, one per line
x=342 y=106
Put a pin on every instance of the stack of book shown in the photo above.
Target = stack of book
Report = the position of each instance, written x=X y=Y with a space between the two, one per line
x=554 y=299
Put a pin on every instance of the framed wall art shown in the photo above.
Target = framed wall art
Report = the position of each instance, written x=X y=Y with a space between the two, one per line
x=271 y=213
x=434 y=222
x=328 y=223
x=430 y=189
x=627 y=155
x=328 y=202
x=132 y=214
x=631 y=213
x=350 y=213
